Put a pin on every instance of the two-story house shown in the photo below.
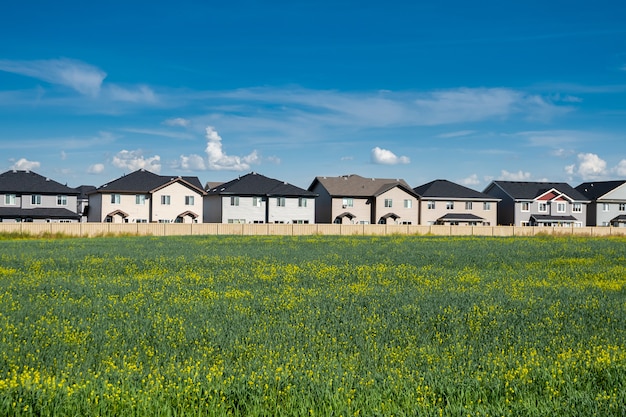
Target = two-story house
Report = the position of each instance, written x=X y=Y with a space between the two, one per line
x=608 y=202
x=446 y=203
x=352 y=199
x=538 y=203
x=29 y=197
x=145 y=197
x=255 y=198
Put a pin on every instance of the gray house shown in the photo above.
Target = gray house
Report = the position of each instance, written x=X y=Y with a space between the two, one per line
x=608 y=202
x=255 y=198
x=539 y=203
x=29 y=197
x=446 y=203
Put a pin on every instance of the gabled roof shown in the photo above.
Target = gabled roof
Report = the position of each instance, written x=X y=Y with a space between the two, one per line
x=463 y=217
x=357 y=186
x=444 y=189
x=28 y=182
x=597 y=189
x=526 y=190
x=83 y=190
x=254 y=184
x=142 y=181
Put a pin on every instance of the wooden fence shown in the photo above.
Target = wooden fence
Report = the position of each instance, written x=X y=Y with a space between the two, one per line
x=172 y=229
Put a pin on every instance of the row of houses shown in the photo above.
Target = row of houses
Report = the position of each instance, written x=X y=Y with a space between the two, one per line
x=145 y=197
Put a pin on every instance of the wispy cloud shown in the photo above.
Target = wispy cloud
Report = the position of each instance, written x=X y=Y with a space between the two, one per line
x=82 y=77
x=471 y=180
x=386 y=157
x=95 y=169
x=177 y=121
x=456 y=134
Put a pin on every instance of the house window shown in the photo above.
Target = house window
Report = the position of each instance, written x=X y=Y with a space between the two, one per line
x=61 y=200
x=234 y=201
x=141 y=221
x=300 y=222
x=622 y=206
x=256 y=201
x=236 y=221
x=577 y=208
x=165 y=200
x=115 y=198
x=388 y=202
x=9 y=199
x=605 y=206
x=35 y=199
x=468 y=205
x=140 y=199
x=280 y=201
x=408 y=204
x=543 y=207
x=525 y=206
x=487 y=205
x=450 y=205
x=348 y=202
x=302 y=202
x=189 y=200
x=560 y=207
x=431 y=205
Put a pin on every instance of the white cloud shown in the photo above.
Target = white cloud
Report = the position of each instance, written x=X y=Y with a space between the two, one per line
x=386 y=157
x=218 y=160
x=134 y=160
x=590 y=167
x=620 y=169
x=514 y=176
x=471 y=180
x=24 y=164
x=192 y=163
x=82 y=77
x=95 y=169
x=177 y=121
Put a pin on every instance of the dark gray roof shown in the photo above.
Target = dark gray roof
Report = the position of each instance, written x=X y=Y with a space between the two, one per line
x=28 y=182
x=522 y=190
x=83 y=190
x=596 y=189
x=142 y=181
x=256 y=184
x=619 y=219
x=464 y=217
x=447 y=189
x=37 y=213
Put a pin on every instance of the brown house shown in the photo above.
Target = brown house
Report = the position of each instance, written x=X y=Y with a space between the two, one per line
x=352 y=199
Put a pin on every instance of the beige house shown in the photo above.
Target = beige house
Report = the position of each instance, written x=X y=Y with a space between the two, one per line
x=352 y=199
x=144 y=197
x=446 y=203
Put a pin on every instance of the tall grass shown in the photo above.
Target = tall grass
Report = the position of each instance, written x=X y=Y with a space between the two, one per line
x=315 y=325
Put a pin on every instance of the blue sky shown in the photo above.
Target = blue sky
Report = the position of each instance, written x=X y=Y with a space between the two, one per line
x=464 y=91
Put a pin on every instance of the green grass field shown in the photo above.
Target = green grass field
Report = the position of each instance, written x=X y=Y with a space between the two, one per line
x=313 y=326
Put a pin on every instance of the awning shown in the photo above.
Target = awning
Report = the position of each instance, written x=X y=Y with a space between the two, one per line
x=118 y=213
x=346 y=214
x=460 y=217
x=188 y=213
x=619 y=219
x=545 y=218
